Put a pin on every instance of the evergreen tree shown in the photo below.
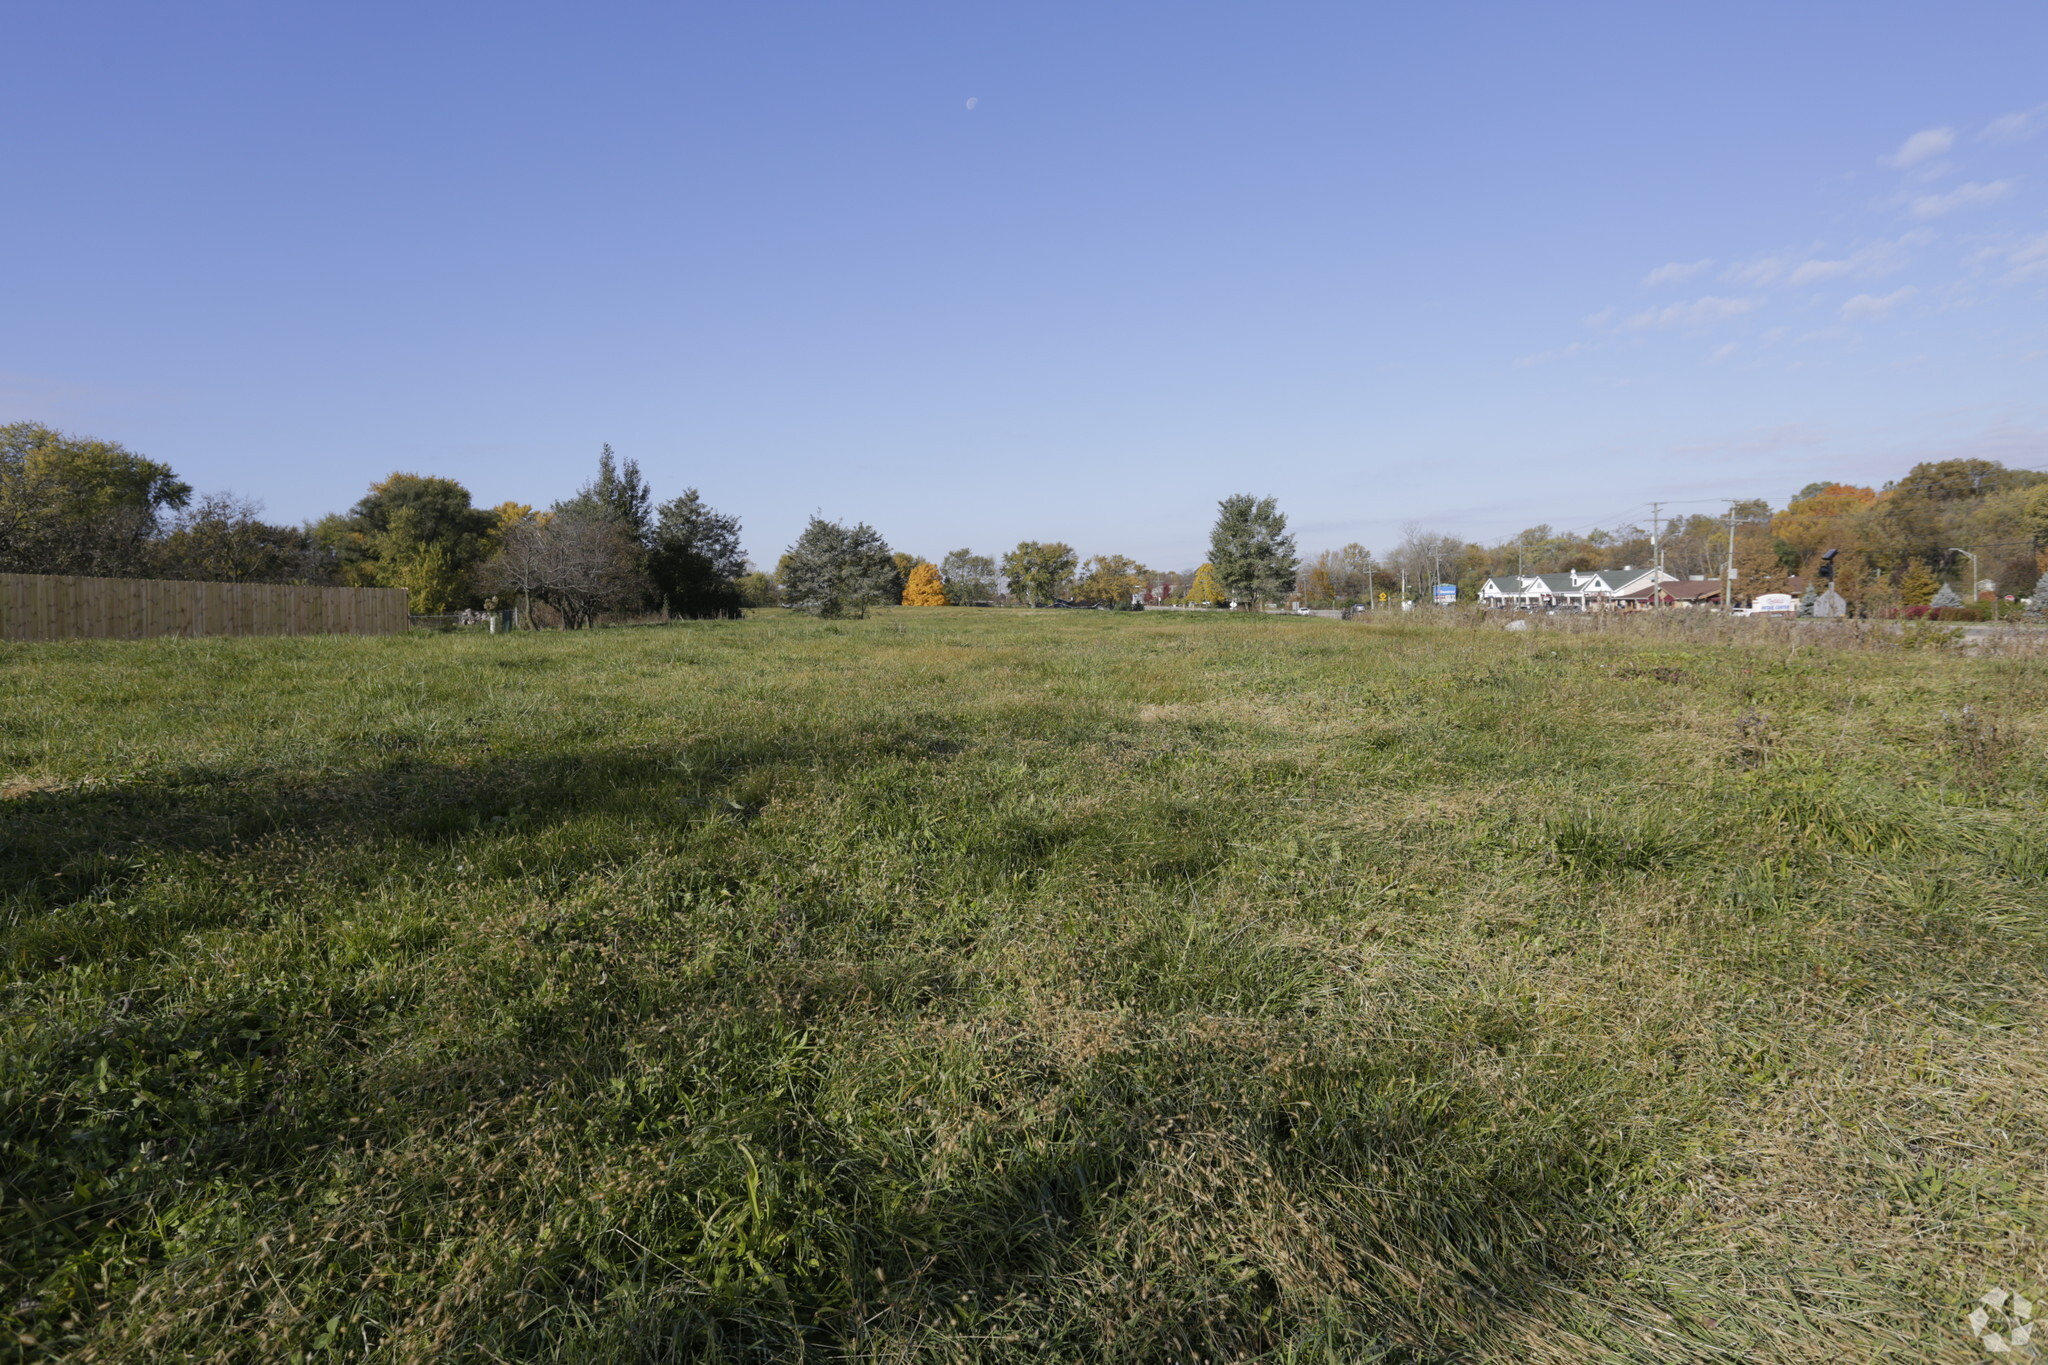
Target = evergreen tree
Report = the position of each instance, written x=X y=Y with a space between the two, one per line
x=695 y=561
x=1946 y=598
x=925 y=588
x=618 y=495
x=1249 y=546
x=836 y=570
x=618 y=491
x=1806 y=601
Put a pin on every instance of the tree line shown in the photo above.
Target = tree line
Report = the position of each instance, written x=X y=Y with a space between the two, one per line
x=1896 y=546
x=835 y=570
x=77 y=505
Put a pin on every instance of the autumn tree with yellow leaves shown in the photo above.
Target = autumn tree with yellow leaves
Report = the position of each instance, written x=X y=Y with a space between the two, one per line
x=1918 y=586
x=925 y=588
x=1112 y=580
x=1207 y=589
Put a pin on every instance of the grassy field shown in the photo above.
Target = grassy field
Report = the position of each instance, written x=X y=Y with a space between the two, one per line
x=1006 y=986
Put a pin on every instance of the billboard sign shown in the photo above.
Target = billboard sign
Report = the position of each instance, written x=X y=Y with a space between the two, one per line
x=1773 y=604
x=1445 y=594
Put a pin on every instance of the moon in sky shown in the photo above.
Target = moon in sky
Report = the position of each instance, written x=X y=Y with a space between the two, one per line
x=974 y=100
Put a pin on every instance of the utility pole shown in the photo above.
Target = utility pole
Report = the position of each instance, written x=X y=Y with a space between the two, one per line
x=1728 y=566
x=1728 y=570
x=1959 y=550
x=1657 y=548
x=1656 y=553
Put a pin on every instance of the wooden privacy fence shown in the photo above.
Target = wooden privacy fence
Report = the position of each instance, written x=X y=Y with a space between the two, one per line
x=64 y=607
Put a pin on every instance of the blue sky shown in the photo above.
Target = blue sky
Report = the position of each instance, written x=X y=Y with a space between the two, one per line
x=977 y=273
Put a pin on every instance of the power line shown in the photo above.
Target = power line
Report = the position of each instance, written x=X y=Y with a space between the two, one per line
x=1616 y=523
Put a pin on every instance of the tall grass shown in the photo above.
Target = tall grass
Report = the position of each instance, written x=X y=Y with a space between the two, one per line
x=1017 y=986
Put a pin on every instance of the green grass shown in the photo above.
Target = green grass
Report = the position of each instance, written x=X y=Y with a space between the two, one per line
x=1004 y=986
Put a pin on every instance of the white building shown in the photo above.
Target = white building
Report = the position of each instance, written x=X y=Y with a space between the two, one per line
x=1578 y=590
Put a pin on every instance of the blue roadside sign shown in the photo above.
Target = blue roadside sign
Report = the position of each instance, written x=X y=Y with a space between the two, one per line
x=1446 y=594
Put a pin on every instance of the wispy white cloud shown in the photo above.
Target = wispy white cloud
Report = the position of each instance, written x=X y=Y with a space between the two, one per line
x=1812 y=272
x=1817 y=271
x=1764 y=271
x=1917 y=148
x=1865 y=262
x=2030 y=260
x=1700 y=312
x=2016 y=125
x=1799 y=276
x=1870 y=307
x=1973 y=194
x=1678 y=272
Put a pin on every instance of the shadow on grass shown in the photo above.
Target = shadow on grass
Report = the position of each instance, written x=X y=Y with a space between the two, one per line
x=756 y=1164
x=242 y=833
x=758 y=1189
x=1183 y=1198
